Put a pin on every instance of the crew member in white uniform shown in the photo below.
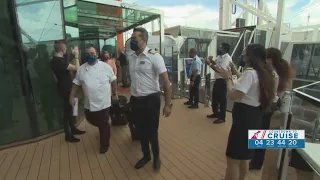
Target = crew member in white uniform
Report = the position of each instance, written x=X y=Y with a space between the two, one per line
x=253 y=93
x=195 y=79
x=282 y=74
x=219 y=96
x=146 y=66
x=95 y=78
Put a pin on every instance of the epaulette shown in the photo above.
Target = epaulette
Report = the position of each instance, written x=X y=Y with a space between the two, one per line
x=248 y=69
x=151 y=51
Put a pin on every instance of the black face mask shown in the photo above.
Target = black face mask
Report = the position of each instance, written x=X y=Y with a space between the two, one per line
x=219 y=52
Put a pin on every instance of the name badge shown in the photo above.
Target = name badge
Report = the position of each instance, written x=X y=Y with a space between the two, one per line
x=142 y=62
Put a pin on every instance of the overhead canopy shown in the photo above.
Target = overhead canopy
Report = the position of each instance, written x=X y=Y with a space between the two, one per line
x=190 y=32
x=102 y=21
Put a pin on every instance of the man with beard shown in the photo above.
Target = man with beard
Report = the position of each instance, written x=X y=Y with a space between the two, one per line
x=146 y=67
x=219 y=91
x=99 y=84
x=61 y=68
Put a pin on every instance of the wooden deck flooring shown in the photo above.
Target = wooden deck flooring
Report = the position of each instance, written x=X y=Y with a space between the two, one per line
x=192 y=147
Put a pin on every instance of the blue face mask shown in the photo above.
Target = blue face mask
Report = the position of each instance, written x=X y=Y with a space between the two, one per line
x=134 y=45
x=91 y=59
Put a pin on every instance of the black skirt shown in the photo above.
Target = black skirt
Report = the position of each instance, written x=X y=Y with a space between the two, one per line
x=244 y=117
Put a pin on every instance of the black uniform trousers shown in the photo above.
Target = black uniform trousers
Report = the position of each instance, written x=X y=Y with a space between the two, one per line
x=145 y=113
x=194 y=91
x=68 y=118
x=258 y=157
x=219 y=98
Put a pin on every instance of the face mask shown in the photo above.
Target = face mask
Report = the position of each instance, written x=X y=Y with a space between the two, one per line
x=219 y=52
x=106 y=58
x=134 y=45
x=241 y=61
x=91 y=59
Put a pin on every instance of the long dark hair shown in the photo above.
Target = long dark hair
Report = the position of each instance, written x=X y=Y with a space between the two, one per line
x=282 y=67
x=256 y=55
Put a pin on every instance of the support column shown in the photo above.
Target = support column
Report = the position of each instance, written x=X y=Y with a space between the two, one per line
x=161 y=27
x=225 y=14
x=245 y=14
x=277 y=29
x=120 y=43
x=261 y=8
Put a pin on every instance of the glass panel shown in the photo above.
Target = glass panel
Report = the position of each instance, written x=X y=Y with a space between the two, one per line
x=70 y=15
x=15 y=124
x=108 y=19
x=305 y=61
x=305 y=116
x=67 y=3
x=260 y=37
x=36 y=20
x=283 y=47
x=41 y=21
x=231 y=40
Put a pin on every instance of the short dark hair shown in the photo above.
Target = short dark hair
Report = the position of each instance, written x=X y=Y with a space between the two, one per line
x=59 y=45
x=144 y=33
x=226 y=47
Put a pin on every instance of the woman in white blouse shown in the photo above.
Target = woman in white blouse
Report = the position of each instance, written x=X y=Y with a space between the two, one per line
x=252 y=93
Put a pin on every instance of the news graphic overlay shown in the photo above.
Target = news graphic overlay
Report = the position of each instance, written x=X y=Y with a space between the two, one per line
x=276 y=139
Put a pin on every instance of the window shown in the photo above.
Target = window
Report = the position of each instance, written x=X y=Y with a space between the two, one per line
x=41 y=24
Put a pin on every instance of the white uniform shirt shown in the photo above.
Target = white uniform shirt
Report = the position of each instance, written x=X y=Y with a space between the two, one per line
x=222 y=61
x=248 y=83
x=196 y=64
x=144 y=72
x=276 y=80
x=95 y=82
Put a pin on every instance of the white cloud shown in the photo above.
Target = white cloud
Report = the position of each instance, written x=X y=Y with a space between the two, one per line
x=312 y=9
x=193 y=15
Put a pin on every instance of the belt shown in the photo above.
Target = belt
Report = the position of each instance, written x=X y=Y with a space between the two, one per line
x=145 y=97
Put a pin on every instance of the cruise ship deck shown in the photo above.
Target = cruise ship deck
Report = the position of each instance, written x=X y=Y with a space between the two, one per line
x=192 y=147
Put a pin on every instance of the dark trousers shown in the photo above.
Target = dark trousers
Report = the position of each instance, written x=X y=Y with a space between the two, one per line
x=68 y=118
x=100 y=119
x=125 y=71
x=145 y=113
x=258 y=157
x=194 y=91
x=219 y=98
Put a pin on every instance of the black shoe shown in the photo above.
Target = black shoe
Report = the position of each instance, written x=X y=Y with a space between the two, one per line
x=156 y=164
x=72 y=139
x=219 y=121
x=104 y=149
x=142 y=162
x=188 y=103
x=77 y=132
x=194 y=106
x=213 y=116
